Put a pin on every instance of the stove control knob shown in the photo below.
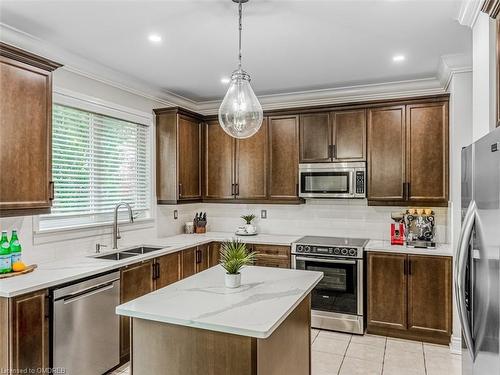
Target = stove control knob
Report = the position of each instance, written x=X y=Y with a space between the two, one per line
x=336 y=251
x=330 y=250
x=352 y=252
x=344 y=251
x=300 y=248
x=307 y=249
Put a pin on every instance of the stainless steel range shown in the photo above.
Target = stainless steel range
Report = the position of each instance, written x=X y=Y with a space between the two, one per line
x=337 y=301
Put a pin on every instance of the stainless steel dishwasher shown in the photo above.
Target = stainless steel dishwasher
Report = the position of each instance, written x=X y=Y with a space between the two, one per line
x=85 y=329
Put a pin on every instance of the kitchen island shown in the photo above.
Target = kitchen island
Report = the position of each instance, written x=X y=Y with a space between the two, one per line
x=198 y=326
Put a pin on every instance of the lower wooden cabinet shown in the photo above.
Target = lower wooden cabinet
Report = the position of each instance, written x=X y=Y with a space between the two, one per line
x=24 y=333
x=168 y=270
x=202 y=258
x=188 y=257
x=136 y=281
x=409 y=296
x=272 y=256
x=214 y=253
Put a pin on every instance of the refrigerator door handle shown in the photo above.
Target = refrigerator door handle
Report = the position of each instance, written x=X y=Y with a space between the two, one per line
x=462 y=258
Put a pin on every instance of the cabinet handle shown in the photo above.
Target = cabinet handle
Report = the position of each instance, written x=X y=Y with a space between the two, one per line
x=180 y=190
x=409 y=267
x=408 y=190
x=330 y=152
x=237 y=189
x=51 y=190
x=232 y=189
x=197 y=256
x=334 y=151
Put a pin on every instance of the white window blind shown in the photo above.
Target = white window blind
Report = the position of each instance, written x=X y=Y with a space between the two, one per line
x=97 y=161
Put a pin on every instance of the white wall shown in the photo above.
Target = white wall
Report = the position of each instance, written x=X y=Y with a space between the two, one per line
x=484 y=76
x=460 y=135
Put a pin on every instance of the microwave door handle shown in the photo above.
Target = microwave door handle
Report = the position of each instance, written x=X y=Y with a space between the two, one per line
x=333 y=261
x=462 y=258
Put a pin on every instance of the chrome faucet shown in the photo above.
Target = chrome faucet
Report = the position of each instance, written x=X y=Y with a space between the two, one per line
x=116 y=233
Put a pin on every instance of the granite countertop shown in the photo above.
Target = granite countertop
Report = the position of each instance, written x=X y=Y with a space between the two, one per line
x=264 y=300
x=442 y=249
x=54 y=273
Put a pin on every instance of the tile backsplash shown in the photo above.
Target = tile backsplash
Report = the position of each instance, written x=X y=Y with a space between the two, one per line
x=346 y=218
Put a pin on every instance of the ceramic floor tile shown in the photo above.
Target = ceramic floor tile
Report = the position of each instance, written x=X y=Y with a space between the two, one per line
x=394 y=370
x=314 y=334
x=402 y=359
x=369 y=340
x=335 y=335
x=356 y=366
x=403 y=345
x=372 y=353
x=325 y=363
x=330 y=345
x=443 y=364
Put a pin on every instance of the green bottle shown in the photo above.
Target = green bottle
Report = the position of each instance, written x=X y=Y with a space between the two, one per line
x=15 y=247
x=5 y=259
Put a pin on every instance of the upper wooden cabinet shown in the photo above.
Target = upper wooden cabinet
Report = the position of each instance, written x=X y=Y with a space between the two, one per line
x=26 y=119
x=283 y=157
x=408 y=154
x=409 y=296
x=178 y=155
x=235 y=168
x=333 y=136
x=386 y=153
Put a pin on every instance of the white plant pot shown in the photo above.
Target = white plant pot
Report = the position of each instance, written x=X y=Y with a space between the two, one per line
x=250 y=228
x=232 y=280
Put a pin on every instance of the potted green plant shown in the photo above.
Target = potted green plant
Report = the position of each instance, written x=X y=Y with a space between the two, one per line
x=234 y=256
x=249 y=227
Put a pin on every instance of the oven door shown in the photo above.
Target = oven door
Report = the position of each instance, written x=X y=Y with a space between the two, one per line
x=341 y=289
x=326 y=182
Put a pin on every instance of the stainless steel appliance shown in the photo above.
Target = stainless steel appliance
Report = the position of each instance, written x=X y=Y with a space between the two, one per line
x=332 y=180
x=85 y=329
x=477 y=274
x=420 y=228
x=337 y=301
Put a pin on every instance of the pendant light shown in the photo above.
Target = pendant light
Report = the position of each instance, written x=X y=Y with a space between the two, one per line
x=240 y=114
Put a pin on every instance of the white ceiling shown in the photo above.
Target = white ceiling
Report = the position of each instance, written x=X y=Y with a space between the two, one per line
x=287 y=45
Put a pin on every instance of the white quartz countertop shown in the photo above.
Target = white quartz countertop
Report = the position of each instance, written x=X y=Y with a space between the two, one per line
x=442 y=249
x=264 y=300
x=53 y=273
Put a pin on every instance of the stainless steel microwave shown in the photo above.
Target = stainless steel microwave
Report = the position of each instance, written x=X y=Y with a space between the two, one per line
x=332 y=180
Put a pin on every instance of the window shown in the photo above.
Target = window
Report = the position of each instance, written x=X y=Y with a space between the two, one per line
x=97 y=161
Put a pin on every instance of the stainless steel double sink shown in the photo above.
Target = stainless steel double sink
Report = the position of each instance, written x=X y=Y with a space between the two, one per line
x=128 y=253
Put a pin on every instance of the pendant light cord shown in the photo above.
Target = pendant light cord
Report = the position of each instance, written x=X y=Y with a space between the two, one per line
x=240 y=10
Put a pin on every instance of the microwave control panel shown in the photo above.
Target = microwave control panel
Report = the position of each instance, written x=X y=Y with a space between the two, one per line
x=360 y=182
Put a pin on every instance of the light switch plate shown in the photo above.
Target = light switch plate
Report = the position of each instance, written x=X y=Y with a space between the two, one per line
x=176 y=214
x=263 y=214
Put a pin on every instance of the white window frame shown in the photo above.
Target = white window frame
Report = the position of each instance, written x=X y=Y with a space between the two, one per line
x=87 y=103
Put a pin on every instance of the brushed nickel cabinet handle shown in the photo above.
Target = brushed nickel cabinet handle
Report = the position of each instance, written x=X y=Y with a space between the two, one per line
x=180 y=190
x=51 y=190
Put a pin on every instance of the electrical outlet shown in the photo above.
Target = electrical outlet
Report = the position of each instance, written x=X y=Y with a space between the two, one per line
x=176 y=214
x=263 y=214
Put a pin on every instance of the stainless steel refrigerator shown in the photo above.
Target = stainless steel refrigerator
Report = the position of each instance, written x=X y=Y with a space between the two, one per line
x=477 y=275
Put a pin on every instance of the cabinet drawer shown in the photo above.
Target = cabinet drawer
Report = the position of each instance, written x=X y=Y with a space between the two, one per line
x=267 y=261
x=273 y=250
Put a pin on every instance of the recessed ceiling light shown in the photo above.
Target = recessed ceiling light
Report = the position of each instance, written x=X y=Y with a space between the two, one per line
x=155 y=38
x=225 y=80
x=399 y=58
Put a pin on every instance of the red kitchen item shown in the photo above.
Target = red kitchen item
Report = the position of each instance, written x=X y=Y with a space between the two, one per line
x=397 y=234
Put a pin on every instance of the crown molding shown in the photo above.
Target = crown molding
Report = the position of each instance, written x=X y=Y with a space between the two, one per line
x=453 y=64
x=351 y=94
x=469 y=11
x=356 y=93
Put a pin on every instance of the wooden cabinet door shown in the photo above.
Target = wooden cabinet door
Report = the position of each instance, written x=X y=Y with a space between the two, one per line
x=30 y=332
x=429 y=295
x=169 y=269
x=251 y=165
x=349 y=135
x=387 y=291
x=283 y=157
x=189 y=158
x=202 y=258
x=315 y=138
x=136 y=281
x=214 y=253
x=386 y=153
x=427 y=152
x=188 y=258
x=25 y=138
x=219 y=162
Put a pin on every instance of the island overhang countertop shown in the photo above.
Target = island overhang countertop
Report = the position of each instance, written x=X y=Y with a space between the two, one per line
x=264 y=300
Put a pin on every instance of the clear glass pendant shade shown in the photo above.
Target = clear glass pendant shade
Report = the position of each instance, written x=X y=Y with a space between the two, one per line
x=240 y=113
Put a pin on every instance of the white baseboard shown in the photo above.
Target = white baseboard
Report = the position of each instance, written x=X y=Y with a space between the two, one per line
x=456 y=345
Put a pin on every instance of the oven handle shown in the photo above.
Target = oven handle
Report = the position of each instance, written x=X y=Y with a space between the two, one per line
x=321 y=260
